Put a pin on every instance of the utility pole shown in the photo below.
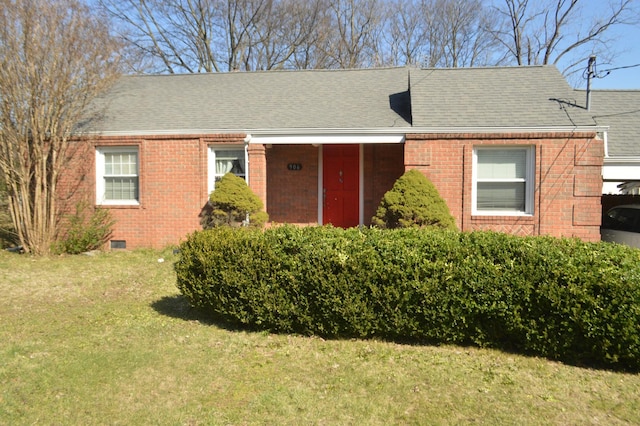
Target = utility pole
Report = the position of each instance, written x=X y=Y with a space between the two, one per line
x=591 y=72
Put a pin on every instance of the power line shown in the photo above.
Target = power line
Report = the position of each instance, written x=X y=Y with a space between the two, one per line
x=616 y=114
x=621 y=68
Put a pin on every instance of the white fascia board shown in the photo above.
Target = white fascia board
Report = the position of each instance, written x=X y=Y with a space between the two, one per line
x=382 y=135
x=621 y=172
x=387 y=135
x=480 y=130
x=613 y=161
x=179 y=132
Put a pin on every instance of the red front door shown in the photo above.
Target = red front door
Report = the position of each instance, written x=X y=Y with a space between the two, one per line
x=341 y=185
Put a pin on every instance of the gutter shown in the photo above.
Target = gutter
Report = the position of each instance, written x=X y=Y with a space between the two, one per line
x=363 y=132
x=621 y=160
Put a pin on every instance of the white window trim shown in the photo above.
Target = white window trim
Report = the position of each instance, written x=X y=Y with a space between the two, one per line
x=100 y=184
x=211 y=163
x=529 y=182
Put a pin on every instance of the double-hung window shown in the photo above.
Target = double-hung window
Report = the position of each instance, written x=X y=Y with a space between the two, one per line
x=117 y=180
x=223 y=160
x=503 y=180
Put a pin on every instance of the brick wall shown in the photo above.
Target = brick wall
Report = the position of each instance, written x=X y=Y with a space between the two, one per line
x=383 y=165
x=568 y=180
x=292 y=195
x=173 y=187
x=173 y=182
x=258 y=171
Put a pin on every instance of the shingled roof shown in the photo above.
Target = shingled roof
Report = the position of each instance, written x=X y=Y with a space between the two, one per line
x=404 y=99
x=498 y=97
x=620 y=110
x=247 y=101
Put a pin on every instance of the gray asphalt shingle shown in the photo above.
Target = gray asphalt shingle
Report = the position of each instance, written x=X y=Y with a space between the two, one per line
x=620 y=110
x=364 y=99
x=351 y=99
x=535 y=96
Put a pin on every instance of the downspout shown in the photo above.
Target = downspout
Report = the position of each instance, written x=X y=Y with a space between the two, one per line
x=464 y=183
x=247 y=139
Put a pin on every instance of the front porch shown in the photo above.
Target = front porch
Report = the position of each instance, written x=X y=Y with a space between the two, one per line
x=294 y=187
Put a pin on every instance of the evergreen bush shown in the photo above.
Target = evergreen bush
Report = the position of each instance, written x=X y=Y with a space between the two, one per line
x=559 y=298
x=233 y=204
x=413 y=202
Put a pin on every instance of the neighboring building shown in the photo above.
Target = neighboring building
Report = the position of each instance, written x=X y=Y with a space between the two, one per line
x=509 y=149
x=619 y=111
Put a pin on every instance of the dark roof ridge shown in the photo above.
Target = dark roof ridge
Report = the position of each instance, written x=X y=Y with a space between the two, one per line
x=488 y=67
x=273 y=71
x=609 y=90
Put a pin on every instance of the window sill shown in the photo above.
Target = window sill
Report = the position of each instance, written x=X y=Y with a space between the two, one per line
x=119 y=205
x=500 y=214
x=524 y=218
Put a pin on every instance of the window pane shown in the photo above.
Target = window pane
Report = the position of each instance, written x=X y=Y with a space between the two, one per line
x=502 y=164
x=230 y=161
x=120 y=164
x=121 y=188
x=501 y=196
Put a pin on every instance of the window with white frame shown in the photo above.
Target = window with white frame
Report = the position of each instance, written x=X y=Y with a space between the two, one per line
x=223 y=160
x=503 y=180
x=117 y=180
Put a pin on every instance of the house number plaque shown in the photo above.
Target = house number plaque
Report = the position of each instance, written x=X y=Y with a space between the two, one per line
x=294 y=166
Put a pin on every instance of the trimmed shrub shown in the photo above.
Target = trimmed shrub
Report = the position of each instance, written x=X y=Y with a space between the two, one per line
x=233 y=204
x=413 y=202
x=86 y=231
x=559 y=298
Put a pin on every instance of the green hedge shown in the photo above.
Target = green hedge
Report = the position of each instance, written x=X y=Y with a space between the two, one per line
x=559 y=298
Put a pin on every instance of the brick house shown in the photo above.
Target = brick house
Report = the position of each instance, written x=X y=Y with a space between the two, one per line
x=508 y=148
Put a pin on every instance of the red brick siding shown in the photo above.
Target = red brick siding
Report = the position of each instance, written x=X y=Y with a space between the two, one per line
x=292 y=195
x=173 y=187
x=383 y=165
x=567 y=180
x=258 y=171
x=173 y=182
x=78 y=177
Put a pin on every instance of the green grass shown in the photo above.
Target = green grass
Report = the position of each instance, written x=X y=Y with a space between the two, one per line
x=107 y=339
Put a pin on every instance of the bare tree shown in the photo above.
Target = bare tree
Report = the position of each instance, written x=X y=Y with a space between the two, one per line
x=55 y=56
x=312 y=51
x=217 y=35
x=441 y=33
x=555 y=31
x=405 y=40
x=282 y=38
x=465 y=33
x=174 y=35
x=354 y=30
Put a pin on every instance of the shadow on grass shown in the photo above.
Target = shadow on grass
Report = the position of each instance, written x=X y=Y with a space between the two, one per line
x=178 y=307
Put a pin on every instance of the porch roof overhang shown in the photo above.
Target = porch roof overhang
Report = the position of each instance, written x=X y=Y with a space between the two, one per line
x=325 y=136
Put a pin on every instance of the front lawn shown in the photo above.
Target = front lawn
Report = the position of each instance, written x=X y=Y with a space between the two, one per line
x=107 y=339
